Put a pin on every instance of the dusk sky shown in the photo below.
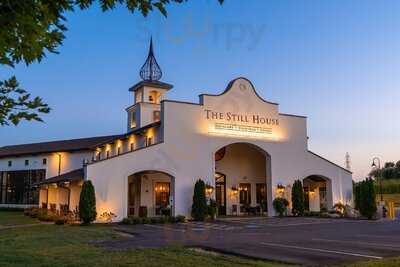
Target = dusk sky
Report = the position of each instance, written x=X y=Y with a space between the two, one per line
x=336 y=62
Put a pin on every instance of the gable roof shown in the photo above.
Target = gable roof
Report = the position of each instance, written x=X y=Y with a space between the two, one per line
x=55 y=146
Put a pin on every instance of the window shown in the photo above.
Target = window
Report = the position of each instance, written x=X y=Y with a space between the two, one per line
x=9 y=163
x=26 y=162
x=156 y=115
x=44 y=161
x=245 y=194
x=261 y=193
x=16 y=187
x=133 y=119
x=151 y=98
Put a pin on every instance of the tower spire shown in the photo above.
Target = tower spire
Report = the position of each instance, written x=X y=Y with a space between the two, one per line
x=150 y=70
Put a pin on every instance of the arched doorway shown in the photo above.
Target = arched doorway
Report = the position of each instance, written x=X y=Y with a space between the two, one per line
x=241 y=174
x=317 y=193
x=150 y=193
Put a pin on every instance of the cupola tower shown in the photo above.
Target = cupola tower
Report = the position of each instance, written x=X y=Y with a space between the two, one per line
x=147 y=94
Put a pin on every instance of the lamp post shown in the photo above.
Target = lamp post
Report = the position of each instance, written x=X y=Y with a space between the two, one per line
x=379 y=173
x=376 y=164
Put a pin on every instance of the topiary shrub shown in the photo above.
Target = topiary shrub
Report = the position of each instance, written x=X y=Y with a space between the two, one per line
x=87 y=203
x=199 y=206
x=297 y=199
x=368 y=197
x=280 y=205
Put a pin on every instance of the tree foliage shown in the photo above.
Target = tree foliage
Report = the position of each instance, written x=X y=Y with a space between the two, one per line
x=199 y=206
x=280 y=205
x=16 y=104
x=31 y=28
x=390 y=170
x=297 y=198
x=365 y=198
x=87 y=203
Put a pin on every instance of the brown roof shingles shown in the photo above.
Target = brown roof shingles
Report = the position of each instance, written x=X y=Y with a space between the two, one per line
x=55 y=146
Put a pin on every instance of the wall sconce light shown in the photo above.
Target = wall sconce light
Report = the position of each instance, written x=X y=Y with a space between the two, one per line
x=209 y=190
x=234 y=190
x=280 y=189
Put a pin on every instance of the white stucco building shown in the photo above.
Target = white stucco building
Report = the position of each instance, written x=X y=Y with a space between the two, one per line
x=245 y=149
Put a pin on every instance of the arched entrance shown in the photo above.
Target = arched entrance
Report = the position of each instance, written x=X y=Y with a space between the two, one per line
x=317 y=193
x=241 y=174
x=151 y=193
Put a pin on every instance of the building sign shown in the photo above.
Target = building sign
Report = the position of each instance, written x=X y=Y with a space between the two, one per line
x=248 y=125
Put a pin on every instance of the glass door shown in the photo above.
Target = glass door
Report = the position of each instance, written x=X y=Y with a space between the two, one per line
x=220 y=193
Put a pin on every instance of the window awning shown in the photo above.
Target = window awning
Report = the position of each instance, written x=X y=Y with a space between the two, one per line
x=72 y=176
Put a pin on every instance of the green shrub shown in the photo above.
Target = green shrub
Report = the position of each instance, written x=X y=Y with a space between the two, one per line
x=339 y=208
x=60 y=221
x=297 y=199
x=180 y=219
x=31 y=212
x=199 y=206
x=87 y=203
x=212 y=209
x=280 y=205
x=145 y=220
x=154 y=220
x=126 y=220
x=366 y=198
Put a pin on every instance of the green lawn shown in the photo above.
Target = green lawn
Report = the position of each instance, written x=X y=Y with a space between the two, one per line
x=8 y=218
x=393 y=262
x=67 y=245
x=52 y=245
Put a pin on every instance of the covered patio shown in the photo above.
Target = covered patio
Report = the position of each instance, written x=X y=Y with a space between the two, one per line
x=61 y=192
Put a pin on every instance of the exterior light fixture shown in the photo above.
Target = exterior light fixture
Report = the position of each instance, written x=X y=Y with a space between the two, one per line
x=280 y=189
x=209 y=189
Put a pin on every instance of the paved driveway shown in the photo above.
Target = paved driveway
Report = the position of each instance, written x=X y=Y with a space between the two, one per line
x=293 y=240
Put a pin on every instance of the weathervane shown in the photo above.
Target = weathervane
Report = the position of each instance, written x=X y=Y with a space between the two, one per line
x=150 y=70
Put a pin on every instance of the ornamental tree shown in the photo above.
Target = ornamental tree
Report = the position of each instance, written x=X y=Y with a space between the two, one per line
x=16 y=104
x=87 y=203
x=297 y=198
x=365 y=198
x=199 y=206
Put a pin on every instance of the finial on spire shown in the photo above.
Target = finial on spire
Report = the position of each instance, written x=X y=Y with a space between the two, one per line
x=150 y=70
